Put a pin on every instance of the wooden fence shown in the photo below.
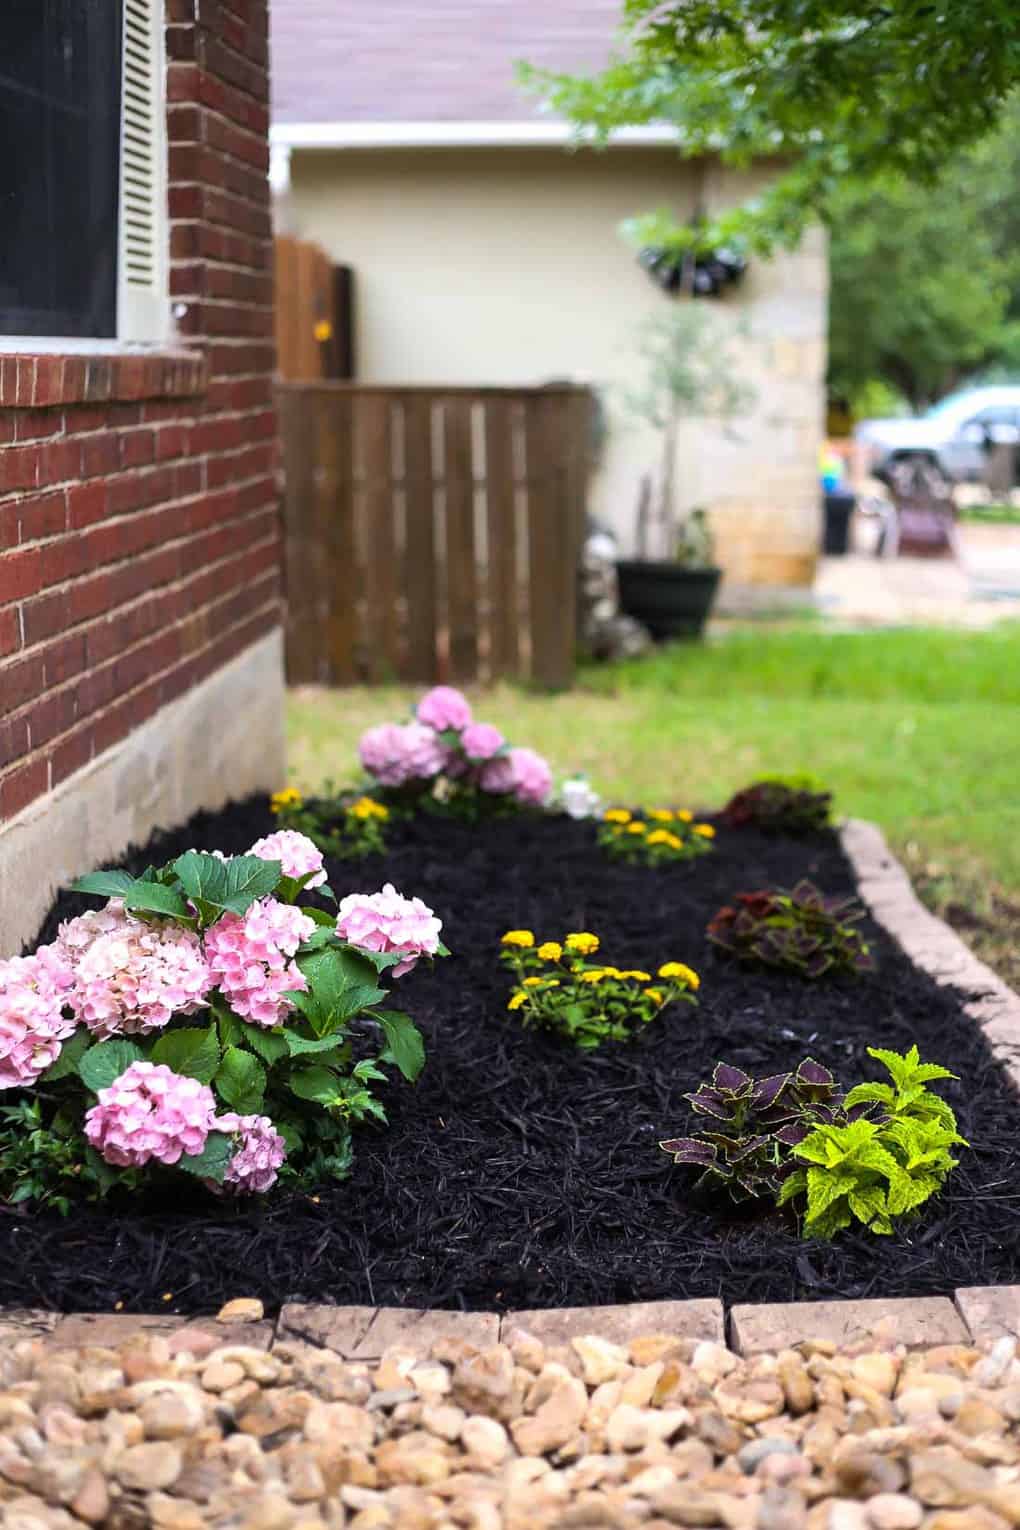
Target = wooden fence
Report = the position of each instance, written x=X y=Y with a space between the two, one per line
x=433 y=533
x=314 y=324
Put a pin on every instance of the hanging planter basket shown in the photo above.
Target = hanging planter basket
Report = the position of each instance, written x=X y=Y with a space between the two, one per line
x=705 y=275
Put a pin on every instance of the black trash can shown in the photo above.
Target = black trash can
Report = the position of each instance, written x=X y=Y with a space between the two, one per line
x=839 y=506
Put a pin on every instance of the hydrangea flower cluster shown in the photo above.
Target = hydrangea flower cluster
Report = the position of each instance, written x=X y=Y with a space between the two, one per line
x=385 y=921
x=250 y=959
x=33 y=1023
x=150 y=1112
x=298 y=855
x=260 y=1152
x=130 y=978
x=445 y=740
x=398 y=754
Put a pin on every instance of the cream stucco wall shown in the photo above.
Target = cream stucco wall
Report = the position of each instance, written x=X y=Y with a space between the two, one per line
x=506 y=266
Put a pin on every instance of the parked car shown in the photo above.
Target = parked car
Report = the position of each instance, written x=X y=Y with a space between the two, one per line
x=956 y=434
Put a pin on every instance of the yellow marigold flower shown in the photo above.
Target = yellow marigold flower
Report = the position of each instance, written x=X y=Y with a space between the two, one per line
x=705 y=830
x=289 y=797
x=639 y=977
x=680 y=973
x=522 y=938
x=637 y=828
x=581 y=943
x=517 y=1000
x=661 y=815
x=683 y=815
x=596 y=975
x=533 y=982
x=366 y=807
x=613 y=972
x=662 y=837
x=550 y=950
x=616 y=815
x=654 y=993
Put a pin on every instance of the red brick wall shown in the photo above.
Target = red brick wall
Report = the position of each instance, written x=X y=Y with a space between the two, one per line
x=139 y=541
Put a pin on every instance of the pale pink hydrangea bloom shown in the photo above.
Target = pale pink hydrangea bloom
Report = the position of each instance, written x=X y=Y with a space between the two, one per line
x=444 y=707
x=397 y=753
x=249 y=958
x=150 y=1112
x=481 y=741
x=533 y=780
x=297 y=854
x=33 y=994
x=522 y=772
x=260 y=1152
x=385 y=921
x=131 y=977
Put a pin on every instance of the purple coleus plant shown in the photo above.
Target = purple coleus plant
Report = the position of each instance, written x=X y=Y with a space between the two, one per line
x=755 y=1124
x=802 y=931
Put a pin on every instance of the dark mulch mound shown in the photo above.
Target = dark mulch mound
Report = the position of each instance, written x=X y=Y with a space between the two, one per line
x=520 y=1174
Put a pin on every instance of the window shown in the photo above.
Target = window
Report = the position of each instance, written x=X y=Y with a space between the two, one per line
x=83 y=170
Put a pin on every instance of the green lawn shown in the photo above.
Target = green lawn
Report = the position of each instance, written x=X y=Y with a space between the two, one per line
x=918 y=730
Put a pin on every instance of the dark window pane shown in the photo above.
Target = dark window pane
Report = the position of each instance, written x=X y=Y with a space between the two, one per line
x=59 y=153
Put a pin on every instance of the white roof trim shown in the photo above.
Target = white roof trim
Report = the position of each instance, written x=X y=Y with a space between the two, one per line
x=442 y=135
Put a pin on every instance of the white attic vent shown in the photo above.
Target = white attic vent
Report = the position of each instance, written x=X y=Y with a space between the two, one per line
x=142 y=304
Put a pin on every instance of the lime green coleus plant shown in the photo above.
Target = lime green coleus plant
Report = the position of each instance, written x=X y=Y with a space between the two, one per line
x=875 y=1170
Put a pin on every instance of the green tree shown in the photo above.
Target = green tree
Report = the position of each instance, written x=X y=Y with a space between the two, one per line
x=926 y=281
x=838 y=90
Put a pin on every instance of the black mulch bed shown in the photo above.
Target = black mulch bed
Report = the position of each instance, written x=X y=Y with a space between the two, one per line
x=521 y=1174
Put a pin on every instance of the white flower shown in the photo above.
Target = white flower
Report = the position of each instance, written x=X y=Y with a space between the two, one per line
x=579 y=799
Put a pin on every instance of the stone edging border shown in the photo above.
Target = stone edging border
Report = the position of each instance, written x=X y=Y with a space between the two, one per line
x=885 y=888
x=363 y=1335
x=977 y=1314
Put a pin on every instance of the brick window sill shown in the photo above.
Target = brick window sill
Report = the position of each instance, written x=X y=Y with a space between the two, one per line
x=39 y=380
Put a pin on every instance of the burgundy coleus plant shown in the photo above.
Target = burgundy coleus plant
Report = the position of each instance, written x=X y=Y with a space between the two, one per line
x=754 y=1125
x=801 y=931
x=778 y=807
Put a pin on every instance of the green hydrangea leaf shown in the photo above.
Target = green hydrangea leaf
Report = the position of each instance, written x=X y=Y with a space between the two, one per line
x=213 y=1161
x=241 y=1081
x=100 y=1065
x=190 y=1051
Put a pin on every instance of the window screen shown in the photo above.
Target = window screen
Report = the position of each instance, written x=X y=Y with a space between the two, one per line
x=60 y=72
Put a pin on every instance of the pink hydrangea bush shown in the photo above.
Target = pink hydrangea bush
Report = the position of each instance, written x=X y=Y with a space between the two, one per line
x=251 y=955
x=202 y=1022
x=150 y=1112
x=444 y=752
x=34 y=1021
x=130 y=978
x=386 y=922
x=259 y=1153
x=297 y=854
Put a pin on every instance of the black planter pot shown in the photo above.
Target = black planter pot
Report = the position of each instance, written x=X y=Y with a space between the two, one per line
x=839 y=506
x=671 y=601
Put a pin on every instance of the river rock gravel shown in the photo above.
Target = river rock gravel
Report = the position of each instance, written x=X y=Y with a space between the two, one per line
x=521 y=1436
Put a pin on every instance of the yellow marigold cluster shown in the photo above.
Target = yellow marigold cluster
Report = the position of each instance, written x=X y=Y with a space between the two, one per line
x=522 y=938
x=616 y=815
x=289 y=797
x=664 y=837
x=680 y=973
x=581 y=943
x=705 y=830
x=367 y=807
x=662 y=815
x=550 y=951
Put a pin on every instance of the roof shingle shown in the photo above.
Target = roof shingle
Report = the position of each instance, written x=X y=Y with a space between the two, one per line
x=427 y=60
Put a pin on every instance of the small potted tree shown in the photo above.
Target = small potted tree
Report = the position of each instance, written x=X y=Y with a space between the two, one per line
x=690 y=373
